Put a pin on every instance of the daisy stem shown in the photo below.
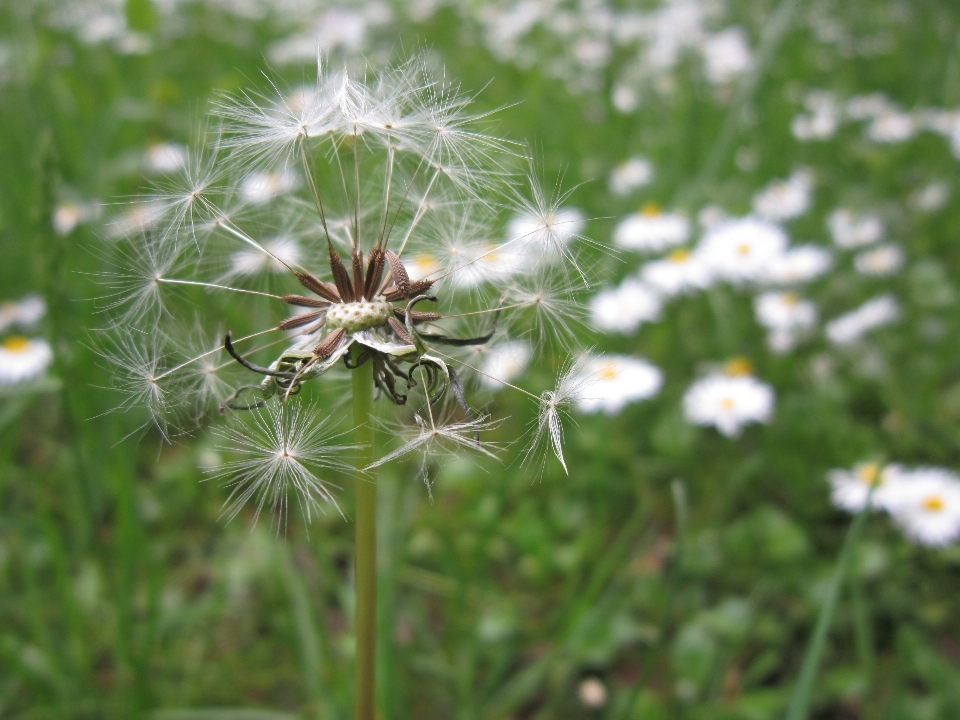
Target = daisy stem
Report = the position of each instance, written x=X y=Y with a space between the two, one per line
x=799 y=706
x=365 y=559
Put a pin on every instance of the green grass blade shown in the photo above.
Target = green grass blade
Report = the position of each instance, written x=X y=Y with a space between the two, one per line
x=800 y=700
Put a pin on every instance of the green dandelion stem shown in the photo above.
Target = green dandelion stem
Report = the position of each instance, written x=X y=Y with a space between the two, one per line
x=800 y=700
x=365 y=561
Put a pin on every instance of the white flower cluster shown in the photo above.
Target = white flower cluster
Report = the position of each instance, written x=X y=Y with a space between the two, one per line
x=576 y=41
x=22 y=358
x=886 y=123
x=924 y=502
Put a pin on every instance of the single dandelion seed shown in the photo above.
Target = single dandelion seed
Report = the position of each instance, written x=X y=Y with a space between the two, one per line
x=280 y=452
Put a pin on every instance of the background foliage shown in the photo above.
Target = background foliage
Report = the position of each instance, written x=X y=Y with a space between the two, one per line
x=123 y=595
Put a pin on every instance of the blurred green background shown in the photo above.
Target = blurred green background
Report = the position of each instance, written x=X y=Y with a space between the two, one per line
x=124 y=595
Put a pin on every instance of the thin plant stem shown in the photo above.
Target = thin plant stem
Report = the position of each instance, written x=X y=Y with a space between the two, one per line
x=863 y=633
x=799 y=705
x=679 y=493
x=365 y=551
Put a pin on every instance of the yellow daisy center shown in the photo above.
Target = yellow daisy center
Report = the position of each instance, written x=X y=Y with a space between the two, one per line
x=869 y=473
x=738 y=366
x=16 y=344
x=790 y=299
x=608 y=372
x=743 y=248
x=650 y=209
x=679 y=256
x=934 y=503
x=727 y=403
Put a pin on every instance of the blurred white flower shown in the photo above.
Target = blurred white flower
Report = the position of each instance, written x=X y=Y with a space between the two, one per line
x=799 y=265
x=592 y=693
x=851 y=230
x=880 y=261
x=679 y=272
x=545 y=230
x=625 y=98
x=138 y=218
x=67 y=215
x=23 y=359
x=651 y=230
x=629 y=176
x=24 y=313
x=867 y=107
x=165 y=157
x=624 y=308
x=612 y=381
x=726 y=55
x=281 y=253
x=422 y=265
x=743 y=249
x=930 y=197
x=338 y=28
x=850 y=327
x=711 y=215
x=258 y=187
x=784 y=315
x=850 y=488
x=482 y=262
x=926 y=506
x=785 y=199
x=505 y=362
x=892 y=126
x=821 y=120
x=728 y=402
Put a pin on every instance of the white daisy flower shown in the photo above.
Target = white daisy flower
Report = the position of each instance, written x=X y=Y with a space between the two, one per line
x=23 y=359
x=785 y=199
x=165 y=157
x=850 y=230
x=726 y=55
x=852 y=326
x=651 y=230
x=422 y=265
x=624 y=308
x=784 y=311
x=258 y=187
x=742 y=250
x=881 y=261
x=785 y=316
x=926 y=506
x=631 y=175
x=679 y=272
x=799 y=265
x=24 y=313
x=612 y=381
x=850 y=488
x=483 y=262
x=505 y=362
x=728 y=402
